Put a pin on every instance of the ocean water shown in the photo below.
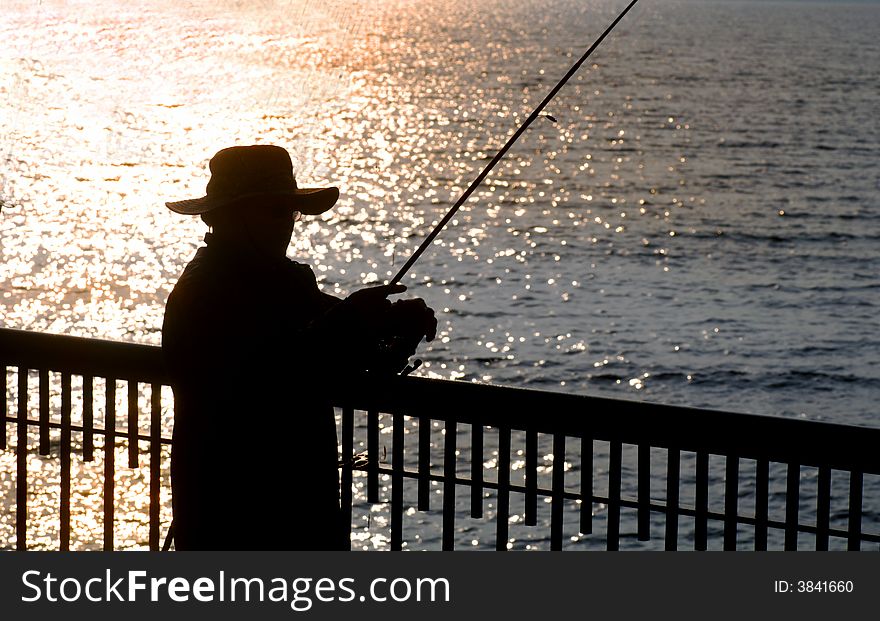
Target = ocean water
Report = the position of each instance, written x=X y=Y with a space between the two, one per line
x=700 y=226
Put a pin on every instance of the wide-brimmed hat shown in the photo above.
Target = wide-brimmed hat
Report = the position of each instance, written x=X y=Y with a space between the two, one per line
x=251 y=171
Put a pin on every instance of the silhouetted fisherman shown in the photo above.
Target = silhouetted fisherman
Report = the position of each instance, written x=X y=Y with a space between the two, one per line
x=254 y=348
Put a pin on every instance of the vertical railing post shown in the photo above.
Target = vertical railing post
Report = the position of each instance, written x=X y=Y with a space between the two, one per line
x=109 y=462
x=613 y=528
x=45 y=439
x=64 y=450
x=673 y=475
x=792 y=506
x=731 y=501
x=701 y=498
x=556 y=507
x=372 y=456
x=88 y=419
x=21 y=449
x=4 y=416
x=644 y=490
x=531 y=512
x=823 y=508
x=424 y=463
x=397 y=482
x=854 y=528
x=476 y=470
x=449 y=469
x=586 y=513
x=132 y=423
x=155 y=462
x=762 y=490
x=503 y=501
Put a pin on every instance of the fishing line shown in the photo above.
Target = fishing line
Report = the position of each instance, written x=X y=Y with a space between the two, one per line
x=510 y=142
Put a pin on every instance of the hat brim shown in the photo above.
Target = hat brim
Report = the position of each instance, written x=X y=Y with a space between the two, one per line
x=308 y=201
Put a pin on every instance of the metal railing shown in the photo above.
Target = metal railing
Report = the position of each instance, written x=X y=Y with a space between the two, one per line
x=579 y=441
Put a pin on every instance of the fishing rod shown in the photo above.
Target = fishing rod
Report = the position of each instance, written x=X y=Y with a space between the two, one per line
x=519 y=132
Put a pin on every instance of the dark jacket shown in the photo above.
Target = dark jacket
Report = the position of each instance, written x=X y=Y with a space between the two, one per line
x=254 y=454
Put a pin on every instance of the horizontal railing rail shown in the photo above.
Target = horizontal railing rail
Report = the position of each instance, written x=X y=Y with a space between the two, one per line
x=582 y=440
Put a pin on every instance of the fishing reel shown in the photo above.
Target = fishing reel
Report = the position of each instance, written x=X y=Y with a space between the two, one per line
x=399 y=333
x=392 y=354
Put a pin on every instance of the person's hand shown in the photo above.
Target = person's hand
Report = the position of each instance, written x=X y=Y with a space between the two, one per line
x=410 y=320
x=381 y=334
x=370 y=304
x=402 y=328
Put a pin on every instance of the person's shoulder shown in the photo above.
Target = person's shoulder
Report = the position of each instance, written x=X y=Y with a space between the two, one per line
x=198 y=279
x=304 y=275
x=202 y=302
x=301 y=271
